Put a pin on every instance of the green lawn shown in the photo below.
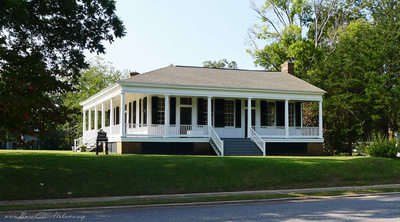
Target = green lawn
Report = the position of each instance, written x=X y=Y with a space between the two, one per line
x=55 y=174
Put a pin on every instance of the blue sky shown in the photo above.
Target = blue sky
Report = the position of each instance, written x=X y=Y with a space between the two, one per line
x=181 y=32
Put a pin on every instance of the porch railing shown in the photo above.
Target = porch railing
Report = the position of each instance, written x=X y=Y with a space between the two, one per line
x=161 y=130
x=216 y=142
x=270 y=131
x=257 y=140
x=279 y=131
x=188 y=130
x=303 y=131
x=77 y=143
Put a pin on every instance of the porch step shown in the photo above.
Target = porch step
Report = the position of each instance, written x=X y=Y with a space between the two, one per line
x=240 y=147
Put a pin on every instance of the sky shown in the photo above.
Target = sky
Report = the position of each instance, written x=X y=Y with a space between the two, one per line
x=181 y=32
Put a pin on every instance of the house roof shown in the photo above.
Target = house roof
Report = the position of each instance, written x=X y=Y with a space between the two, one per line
x=227 y=78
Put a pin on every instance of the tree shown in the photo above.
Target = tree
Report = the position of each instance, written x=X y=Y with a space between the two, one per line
x=281 y=25
x=221 y=64
x=293 y=30
x=361 y=77
x=41 y=54
x=98 y=76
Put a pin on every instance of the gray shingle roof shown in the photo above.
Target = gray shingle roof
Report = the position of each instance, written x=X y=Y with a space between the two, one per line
x=228 y=78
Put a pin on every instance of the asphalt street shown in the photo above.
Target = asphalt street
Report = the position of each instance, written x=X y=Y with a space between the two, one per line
x=367 y=208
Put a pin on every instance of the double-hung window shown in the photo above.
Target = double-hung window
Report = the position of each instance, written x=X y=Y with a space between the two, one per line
x=229 y=113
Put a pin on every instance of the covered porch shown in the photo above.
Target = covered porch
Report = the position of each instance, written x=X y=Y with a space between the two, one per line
x=163 y=118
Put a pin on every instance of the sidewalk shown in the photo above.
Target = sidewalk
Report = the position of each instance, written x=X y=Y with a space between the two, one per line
x=192 y=195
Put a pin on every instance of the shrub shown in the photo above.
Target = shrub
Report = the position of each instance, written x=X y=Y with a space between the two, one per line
x=382 y=147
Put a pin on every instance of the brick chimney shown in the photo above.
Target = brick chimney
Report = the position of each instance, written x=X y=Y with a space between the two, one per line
x=288 y=67
x=132 y=74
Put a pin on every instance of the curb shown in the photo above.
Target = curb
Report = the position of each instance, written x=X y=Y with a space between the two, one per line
x=273 y=200
x=192 y=195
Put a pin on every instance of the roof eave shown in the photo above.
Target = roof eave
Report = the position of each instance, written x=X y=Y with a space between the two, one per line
x=125 y=83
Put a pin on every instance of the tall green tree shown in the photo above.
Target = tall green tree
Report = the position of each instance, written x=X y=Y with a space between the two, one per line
x=41 y=54
x=282 y=24
x=344 y=78
x=361 y=77
x=98 y=76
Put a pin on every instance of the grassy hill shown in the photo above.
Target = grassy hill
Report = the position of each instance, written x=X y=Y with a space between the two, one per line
x=60 y=174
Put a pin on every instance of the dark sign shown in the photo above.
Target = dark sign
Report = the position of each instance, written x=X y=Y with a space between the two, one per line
x=102 y=136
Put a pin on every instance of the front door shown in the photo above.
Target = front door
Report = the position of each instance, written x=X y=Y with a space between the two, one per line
x=186 y=119
x=253 y=121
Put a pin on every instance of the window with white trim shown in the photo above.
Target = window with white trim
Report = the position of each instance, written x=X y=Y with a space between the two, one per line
x=161 y=111
x=270 y=113
x=229 y=112
x=186 y=101
x=291 y=114
x=205 y=112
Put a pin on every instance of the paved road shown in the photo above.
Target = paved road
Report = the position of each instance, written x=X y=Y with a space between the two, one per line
x=372 y=208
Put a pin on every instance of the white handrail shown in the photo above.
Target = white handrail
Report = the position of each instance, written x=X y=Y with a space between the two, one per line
x=257 y=140
x=217 y=141
x=77 y=143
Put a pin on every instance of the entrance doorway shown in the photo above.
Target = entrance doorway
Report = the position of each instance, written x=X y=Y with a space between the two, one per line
x=253 y=120
x=186 y=119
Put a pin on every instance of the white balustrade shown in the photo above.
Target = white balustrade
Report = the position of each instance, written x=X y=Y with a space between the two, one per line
x=257 y=140
x=77 y=143
x=217 y=141
x=303 y=131
x=160 y=130
x=279 y=131
x=270 y=131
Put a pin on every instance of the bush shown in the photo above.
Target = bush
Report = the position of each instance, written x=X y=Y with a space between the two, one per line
x=382 y=147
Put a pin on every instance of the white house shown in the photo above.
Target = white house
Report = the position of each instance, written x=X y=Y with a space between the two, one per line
x=195 y=110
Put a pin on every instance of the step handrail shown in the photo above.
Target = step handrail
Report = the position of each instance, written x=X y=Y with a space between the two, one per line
x=257 y=140
x=217 y=141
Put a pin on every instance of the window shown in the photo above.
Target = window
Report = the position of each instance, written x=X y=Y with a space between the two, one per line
x=186 y=101
x=291 y=114
x=270 y=114
x=229 y=113
x=205 y=112
x=161 y=111
x=134 y=112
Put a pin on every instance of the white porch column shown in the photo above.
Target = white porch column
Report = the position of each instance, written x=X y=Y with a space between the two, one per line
x=166 y=116
x=111 y=116
x=286 y=118
x=320 y=120
x=149 y=114
x=248 y=117
x=301 y=115
x=90 y=120
x=122 y=114
x=96 y=119
x=137 y=112
x=209 y=112
x=84 y=123
x=103 y=118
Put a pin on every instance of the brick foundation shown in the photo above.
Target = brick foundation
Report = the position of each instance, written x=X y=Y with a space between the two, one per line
x=315 y=149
